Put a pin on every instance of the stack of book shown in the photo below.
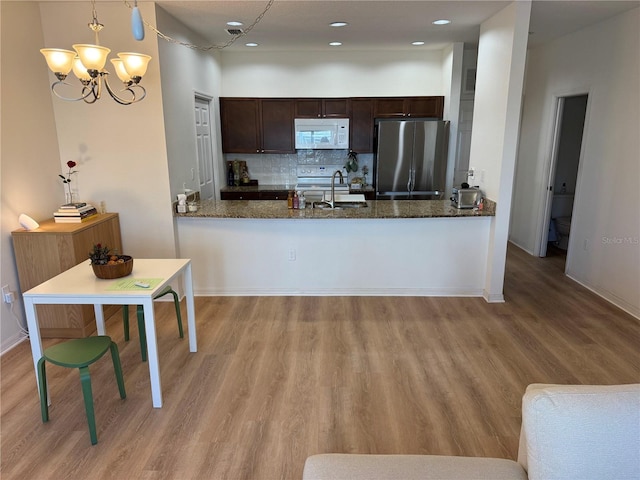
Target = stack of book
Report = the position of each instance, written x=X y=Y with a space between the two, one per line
x=74 y=213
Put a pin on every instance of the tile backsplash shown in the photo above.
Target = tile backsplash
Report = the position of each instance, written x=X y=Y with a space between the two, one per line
x=280 y=169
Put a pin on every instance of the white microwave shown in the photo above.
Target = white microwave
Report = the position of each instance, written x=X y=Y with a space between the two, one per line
x=322 y=133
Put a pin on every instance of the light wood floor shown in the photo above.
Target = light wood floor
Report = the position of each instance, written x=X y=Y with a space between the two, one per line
x=276 y=379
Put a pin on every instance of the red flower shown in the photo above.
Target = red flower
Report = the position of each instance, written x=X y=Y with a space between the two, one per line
x=67 y=180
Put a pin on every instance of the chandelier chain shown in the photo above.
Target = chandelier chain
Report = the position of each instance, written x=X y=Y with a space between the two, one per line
x=94 y=12
x=208 y=47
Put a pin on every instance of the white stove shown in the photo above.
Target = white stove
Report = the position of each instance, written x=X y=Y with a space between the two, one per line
x=315 y=180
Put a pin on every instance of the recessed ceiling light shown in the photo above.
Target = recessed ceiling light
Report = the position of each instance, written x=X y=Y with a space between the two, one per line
x=442 y=22
x=417 y=43
x=251 y=44
x=235 y=24
x=335 y=44
x=338 y=24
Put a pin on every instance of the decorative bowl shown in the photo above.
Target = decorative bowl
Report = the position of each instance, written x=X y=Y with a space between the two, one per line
x=115 y=270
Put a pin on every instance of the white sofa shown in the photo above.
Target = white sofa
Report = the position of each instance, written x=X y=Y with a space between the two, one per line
x=569 y=432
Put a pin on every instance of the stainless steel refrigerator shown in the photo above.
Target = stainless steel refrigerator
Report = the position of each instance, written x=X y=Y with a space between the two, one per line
x=411 y=159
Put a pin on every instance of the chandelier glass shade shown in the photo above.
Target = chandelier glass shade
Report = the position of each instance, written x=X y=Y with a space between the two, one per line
x=87 y=63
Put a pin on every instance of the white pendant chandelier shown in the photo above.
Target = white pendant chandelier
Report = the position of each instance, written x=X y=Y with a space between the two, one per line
x=87 y=63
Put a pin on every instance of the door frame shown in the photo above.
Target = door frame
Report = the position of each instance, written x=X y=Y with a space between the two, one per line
x=197 y=95
x=548 y=173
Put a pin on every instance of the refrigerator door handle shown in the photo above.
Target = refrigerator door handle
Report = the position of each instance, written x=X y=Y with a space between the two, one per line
x=411 y=182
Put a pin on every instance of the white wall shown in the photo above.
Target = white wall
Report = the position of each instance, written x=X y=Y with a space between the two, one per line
x=120 y=150
x=29 y=161
x=601 y=60
x=332 y=74
x=184 y=73
x=435 y=256
x=496 y=117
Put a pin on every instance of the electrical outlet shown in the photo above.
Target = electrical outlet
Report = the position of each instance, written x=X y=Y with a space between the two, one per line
x=471 y=175
x=7 y=295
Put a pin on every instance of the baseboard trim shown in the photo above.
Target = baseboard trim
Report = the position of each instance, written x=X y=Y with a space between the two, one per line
x=609 y=297
x=12 y=342
x=341 y=292
x=493 y=297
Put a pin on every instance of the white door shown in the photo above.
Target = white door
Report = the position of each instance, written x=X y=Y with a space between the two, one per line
x=204 y=148
x=546 y=218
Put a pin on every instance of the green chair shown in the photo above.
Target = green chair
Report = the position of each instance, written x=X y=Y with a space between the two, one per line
x=140 y=314
x=79 y=353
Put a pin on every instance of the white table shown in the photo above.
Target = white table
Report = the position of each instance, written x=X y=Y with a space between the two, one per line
x=79 y=285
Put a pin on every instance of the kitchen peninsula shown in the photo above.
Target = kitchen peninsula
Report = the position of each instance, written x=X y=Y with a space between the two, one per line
x=396 y=248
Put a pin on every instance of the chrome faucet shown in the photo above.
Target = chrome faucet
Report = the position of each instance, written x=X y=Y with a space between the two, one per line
x=333 y=186
x=332 y=202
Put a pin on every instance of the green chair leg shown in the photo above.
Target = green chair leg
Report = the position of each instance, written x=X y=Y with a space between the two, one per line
x=85 y=380
x=125 y=321
x=141 y=328
x=117 y=367
x=176 y=303
x=142 y=332
x=42 y=384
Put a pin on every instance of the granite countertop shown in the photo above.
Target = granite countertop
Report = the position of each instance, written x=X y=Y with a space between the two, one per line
x=277 y=209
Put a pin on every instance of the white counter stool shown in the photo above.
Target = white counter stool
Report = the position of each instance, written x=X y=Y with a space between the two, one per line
x=140 y=314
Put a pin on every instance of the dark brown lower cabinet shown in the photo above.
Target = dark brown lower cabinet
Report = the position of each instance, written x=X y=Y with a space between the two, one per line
x=263 y=195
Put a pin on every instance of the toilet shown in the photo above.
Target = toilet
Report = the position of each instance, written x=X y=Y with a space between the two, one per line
x=561 y=210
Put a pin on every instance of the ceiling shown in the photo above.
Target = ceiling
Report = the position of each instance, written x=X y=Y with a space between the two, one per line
x=376 y=24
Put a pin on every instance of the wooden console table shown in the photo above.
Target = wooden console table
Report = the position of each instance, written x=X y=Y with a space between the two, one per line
x=53 y=248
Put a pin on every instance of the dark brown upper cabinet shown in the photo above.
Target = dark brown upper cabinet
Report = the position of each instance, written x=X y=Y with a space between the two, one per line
x=276 y=122
x=240 y=124
x=254 y=125
x=399 y=107
x=322 y=107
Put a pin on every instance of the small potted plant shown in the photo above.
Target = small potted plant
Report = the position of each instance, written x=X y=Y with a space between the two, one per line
x=109 y=265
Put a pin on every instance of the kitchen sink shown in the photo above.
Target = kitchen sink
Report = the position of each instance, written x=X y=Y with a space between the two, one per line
x=342 y=201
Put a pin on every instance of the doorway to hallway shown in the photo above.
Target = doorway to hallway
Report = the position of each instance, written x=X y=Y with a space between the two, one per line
x=563 y=175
